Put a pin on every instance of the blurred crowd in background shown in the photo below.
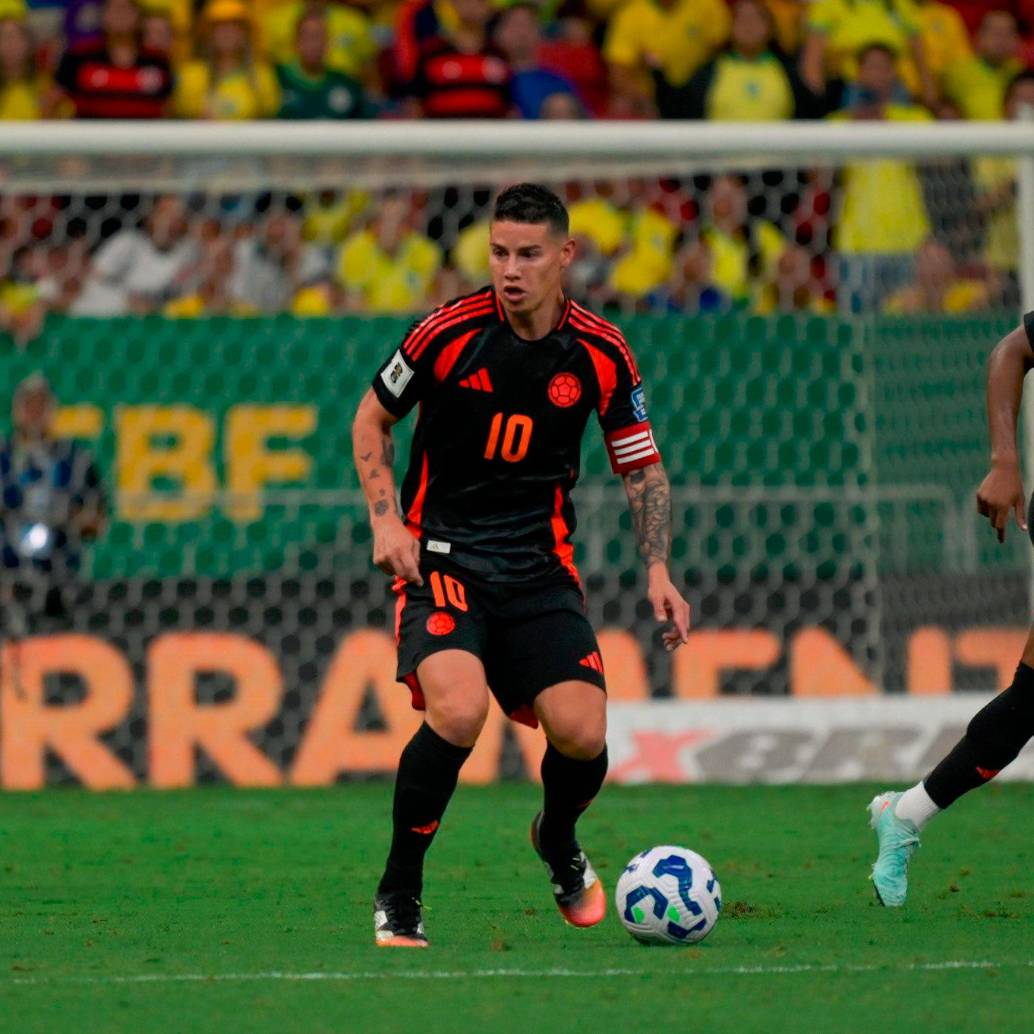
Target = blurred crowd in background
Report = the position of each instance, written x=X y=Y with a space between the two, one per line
x=876 y=235
x=297 y=59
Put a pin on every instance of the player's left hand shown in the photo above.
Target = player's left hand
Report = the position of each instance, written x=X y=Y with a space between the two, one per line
x=668 y=605
x=1000 y=495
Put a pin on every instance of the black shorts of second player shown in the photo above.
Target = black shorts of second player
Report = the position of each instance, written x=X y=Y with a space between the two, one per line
x=527 y=637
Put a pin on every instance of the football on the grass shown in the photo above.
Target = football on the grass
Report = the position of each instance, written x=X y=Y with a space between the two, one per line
x=669 y=895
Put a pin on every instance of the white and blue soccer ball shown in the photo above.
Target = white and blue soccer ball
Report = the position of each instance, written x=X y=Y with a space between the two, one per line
x=668 y=895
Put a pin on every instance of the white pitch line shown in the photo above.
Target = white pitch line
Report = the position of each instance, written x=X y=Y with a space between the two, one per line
x=487 y=974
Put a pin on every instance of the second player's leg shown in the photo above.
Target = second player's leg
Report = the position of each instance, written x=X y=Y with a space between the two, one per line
x=994 y=738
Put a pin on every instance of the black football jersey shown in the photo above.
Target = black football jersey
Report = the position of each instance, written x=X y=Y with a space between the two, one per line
x=497 y=444
x=1028 y=325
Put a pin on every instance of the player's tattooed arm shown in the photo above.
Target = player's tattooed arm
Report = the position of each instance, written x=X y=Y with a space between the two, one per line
x=382 y=471
x=395 y=550
x=374 y=462
x=649 y=499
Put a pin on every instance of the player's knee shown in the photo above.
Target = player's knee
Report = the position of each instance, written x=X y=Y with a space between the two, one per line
x=1001 y=729
x=582 y=744
x=458 y=716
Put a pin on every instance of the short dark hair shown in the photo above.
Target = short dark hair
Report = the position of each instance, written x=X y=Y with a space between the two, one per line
x=531 y=203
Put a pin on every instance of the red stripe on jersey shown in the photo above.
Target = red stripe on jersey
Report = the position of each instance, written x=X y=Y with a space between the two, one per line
x=585 y=320
x=414 y=344
x=483 y=378
x=606 y=374
x=563 y=549
x=443 y=312
x=631 y=448
x=435 y=323
x=416 y=510
x=449 y=354
x=609 y=333
x=605 y=326
x=617 y=341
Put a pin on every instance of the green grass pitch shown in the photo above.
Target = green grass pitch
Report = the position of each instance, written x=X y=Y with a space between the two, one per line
x=228 y=910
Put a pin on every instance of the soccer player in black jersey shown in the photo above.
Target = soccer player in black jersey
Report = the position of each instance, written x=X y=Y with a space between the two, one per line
x=489 y=599
x=999 y=731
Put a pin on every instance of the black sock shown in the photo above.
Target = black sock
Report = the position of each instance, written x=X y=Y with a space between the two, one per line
x=426 y=779
x=568 y=787
x=995 y=736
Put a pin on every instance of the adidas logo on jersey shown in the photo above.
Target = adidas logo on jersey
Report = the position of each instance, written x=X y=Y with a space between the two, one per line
x=478 y=381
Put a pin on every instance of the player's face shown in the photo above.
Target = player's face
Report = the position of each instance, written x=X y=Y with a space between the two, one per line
x=528 y=261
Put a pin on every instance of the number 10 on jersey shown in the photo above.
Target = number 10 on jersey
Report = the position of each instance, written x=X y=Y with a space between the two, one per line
x=515 y=431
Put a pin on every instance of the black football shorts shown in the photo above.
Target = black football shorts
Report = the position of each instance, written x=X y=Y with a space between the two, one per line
x=528 y=636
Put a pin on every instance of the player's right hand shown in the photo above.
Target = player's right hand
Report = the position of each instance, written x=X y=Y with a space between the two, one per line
x=1000 y=494
x=395 y=551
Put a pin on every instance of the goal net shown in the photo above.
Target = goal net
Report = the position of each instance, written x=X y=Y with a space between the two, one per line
x=811 y=309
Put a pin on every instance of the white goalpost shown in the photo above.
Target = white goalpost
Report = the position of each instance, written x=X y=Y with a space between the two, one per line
x=822 y=456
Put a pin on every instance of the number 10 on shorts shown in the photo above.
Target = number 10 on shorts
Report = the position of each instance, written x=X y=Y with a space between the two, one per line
x=446 y=589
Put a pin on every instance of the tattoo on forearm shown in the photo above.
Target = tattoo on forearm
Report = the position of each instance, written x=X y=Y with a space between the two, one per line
x=649 y=499
x=375 y=469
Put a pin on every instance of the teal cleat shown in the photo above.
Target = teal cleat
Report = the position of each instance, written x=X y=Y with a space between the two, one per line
x=898 y=840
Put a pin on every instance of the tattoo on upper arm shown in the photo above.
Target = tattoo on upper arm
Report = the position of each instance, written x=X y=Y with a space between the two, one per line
x=649 y=499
